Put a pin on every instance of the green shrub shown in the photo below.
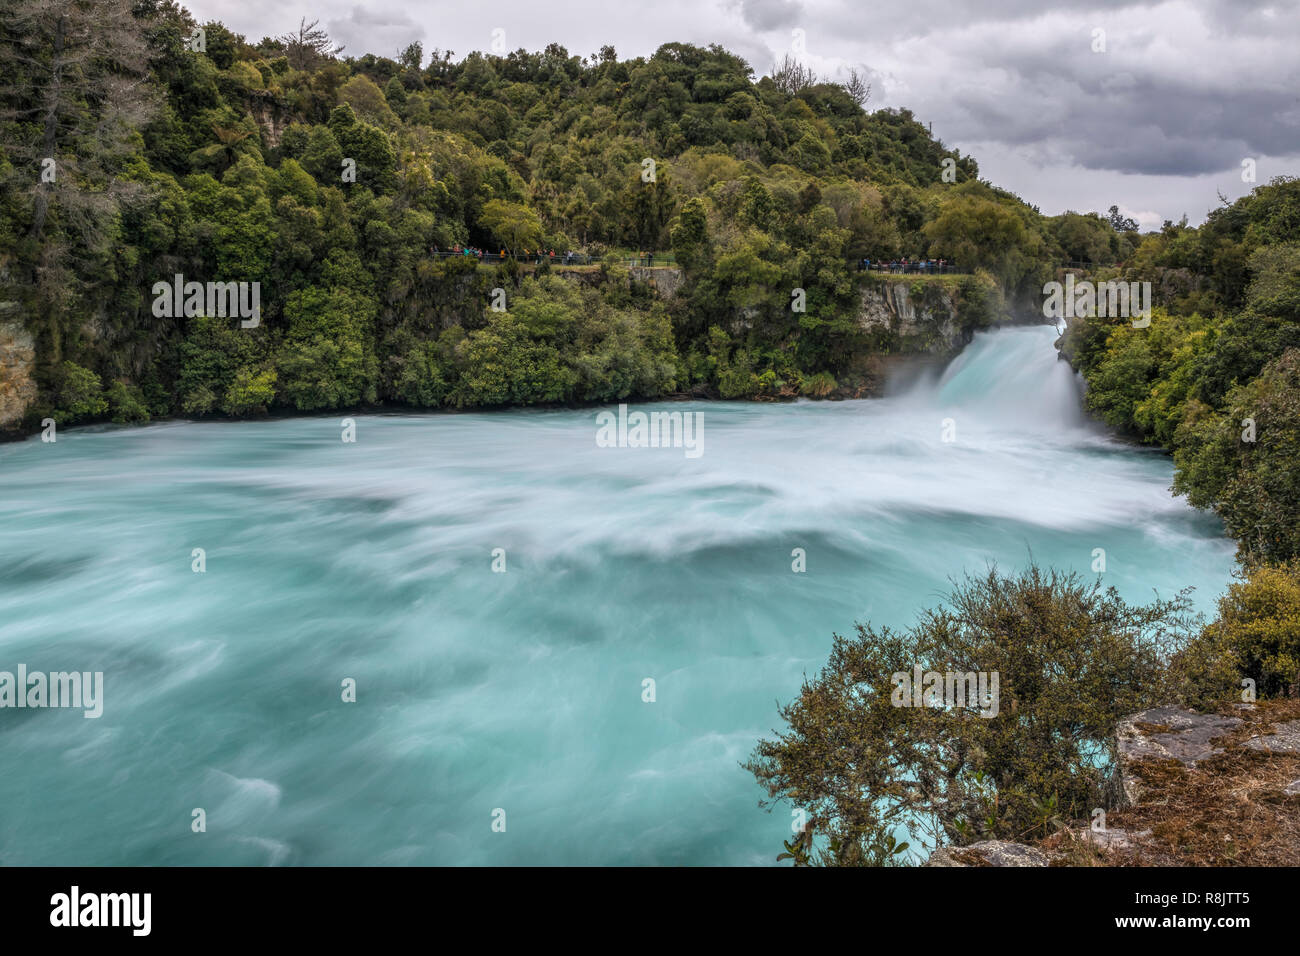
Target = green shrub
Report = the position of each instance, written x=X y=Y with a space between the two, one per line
x=1256 y=637
x=251 y=393
x=820 y=385
x=127 y=404
x=81 y=395
x=1072 y=660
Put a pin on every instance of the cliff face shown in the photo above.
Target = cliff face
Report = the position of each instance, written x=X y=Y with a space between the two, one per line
x=17 y=361
x=269 y=116
x=914 y=316
x=664 y=280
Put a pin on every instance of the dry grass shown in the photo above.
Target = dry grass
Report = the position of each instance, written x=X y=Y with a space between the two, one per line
x=1228 y=810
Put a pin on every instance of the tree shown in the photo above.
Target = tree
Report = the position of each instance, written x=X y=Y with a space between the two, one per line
x=756 y=205
x=327 y=360
x=81 y=394
x=232 y=142
x=368 y=101
x=980 y=232
x=1071 y=660
x=1243 y=462
x=1083 y=238
x=513 y=224
x=308 y=47
x=412 y=56
x=690 y=235
x=857 y=88
x=1256 y=636
x=792 y=76
x=1119 y=222
x=73 y=97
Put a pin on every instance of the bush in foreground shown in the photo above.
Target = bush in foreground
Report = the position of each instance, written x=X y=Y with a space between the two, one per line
x=1071 y=659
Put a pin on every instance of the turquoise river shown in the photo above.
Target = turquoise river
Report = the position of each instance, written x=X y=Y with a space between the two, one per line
x=516 y=690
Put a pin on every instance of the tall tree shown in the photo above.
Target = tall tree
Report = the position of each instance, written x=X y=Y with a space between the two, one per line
x=792 y=76
x=857 y=88
x=1119 y=222
x=308 y=46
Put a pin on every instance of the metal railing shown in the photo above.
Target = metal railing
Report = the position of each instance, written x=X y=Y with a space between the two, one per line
x=551 y=258
x=925 y=267
x=1089 y=266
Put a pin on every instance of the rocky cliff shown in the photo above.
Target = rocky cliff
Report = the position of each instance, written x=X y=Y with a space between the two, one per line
x=914 y=315
x=1193 y=789
x=17 y=361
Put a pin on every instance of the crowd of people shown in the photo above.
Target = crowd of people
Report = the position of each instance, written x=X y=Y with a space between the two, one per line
x=537 y=256
x=906 y=265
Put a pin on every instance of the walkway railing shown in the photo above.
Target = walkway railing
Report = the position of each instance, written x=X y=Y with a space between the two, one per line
x=895 y=266
x=553 y=258
x=925 y=267
x=1089 y=266
x=886 y=266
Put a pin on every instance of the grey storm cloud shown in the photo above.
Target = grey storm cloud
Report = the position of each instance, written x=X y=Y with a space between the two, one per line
x=770 y=14
x=375 y=30
x=1191 y=98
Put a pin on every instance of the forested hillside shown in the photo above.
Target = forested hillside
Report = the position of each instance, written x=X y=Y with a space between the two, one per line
x=137 y=148
x=1216 y=375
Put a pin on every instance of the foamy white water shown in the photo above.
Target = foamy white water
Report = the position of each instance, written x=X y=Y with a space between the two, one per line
x=523 y=690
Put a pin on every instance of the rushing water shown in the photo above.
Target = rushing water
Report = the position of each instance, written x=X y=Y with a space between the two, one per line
x=520 y=690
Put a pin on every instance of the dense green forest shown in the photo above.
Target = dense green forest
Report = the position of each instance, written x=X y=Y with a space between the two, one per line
x=136 y=148
x=1216 y=375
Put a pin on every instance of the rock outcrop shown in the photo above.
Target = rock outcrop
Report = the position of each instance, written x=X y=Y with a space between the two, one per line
x=927 y=322
x=1167 y=733
x=269 y=115
x=989 y=853
x=1197 y=788
x=665 y=280
x=17 y=362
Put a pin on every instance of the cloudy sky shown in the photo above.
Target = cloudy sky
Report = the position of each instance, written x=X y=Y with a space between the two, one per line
x=1151 y=106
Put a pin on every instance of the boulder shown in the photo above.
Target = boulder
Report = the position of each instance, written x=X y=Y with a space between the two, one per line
x=988 y=853
x=1285 y=739
x=1167 y=733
